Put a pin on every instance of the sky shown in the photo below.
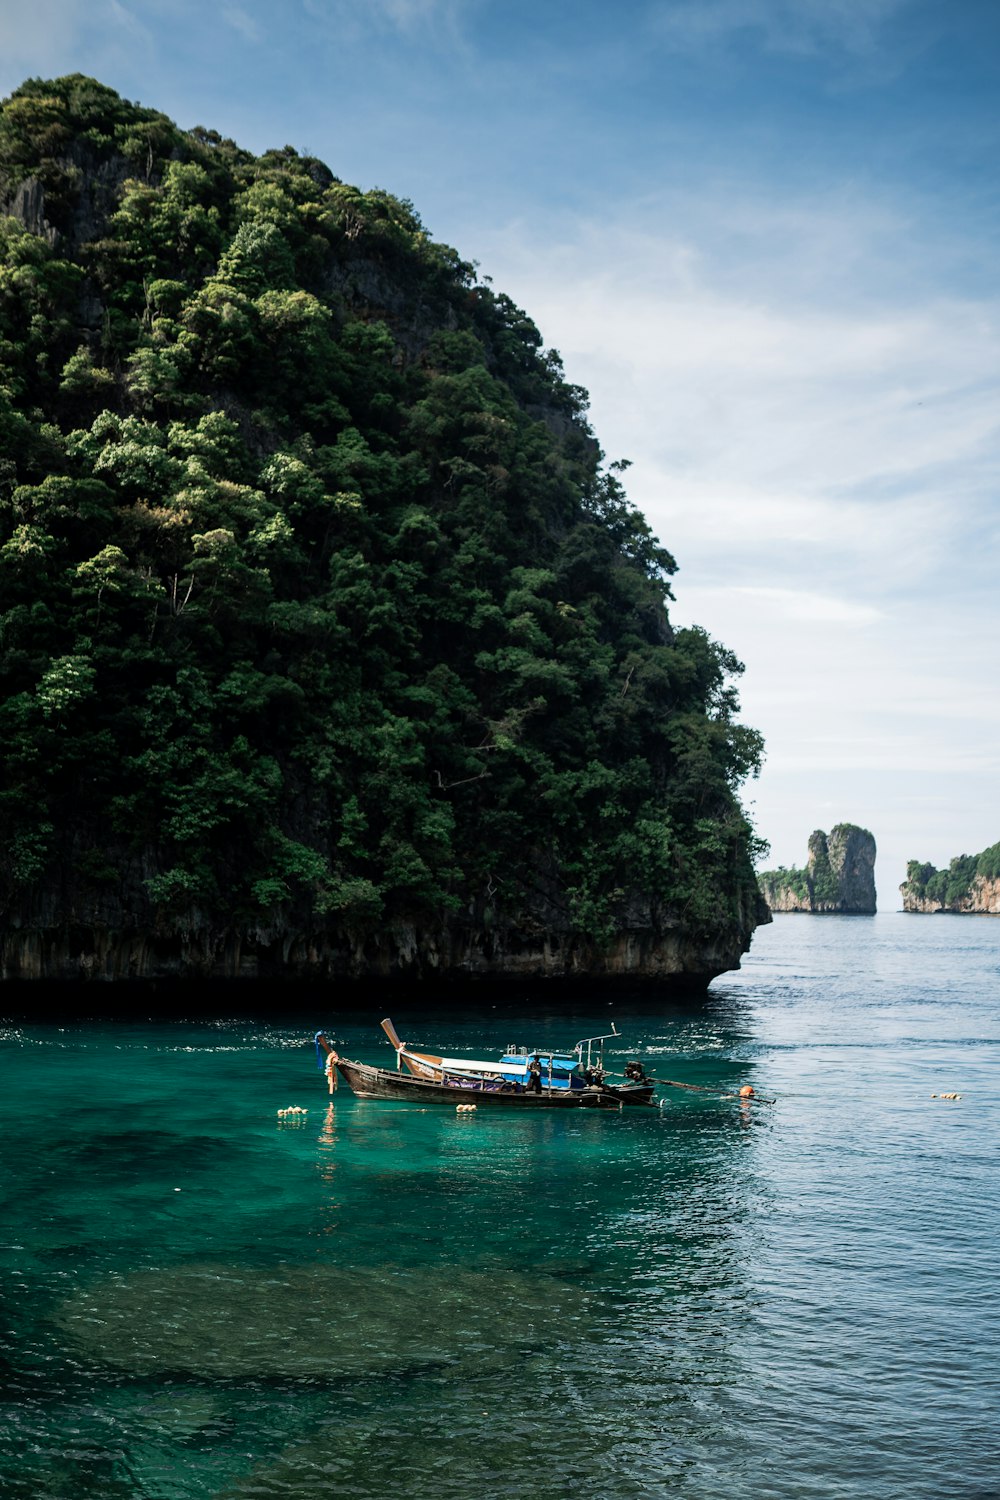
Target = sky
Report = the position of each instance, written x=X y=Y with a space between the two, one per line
x=763 y=235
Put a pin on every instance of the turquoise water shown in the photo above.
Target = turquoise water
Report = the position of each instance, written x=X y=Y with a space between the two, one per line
x=203 y=1299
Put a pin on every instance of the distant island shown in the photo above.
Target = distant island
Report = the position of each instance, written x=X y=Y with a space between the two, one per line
x=839 y=875
x=971 y=884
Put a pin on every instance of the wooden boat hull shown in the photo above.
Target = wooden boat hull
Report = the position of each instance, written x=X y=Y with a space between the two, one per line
x=381 y=1083
x=632 y=1093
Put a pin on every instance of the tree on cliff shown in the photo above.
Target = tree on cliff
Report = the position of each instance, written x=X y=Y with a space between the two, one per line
x=320 y=608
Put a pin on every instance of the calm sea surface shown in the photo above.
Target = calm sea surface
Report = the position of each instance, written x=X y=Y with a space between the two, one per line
x=798 y=1299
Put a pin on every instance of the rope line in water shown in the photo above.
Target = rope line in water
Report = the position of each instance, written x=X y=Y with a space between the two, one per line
x=704 y=1088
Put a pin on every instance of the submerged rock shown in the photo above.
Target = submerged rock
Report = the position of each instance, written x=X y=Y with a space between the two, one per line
x=455 y=1450
x=238 y=1323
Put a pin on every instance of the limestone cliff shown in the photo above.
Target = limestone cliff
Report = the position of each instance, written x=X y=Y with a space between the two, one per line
x=839 y=875
x=329 y=643
x=983 y=899
x=970 y=885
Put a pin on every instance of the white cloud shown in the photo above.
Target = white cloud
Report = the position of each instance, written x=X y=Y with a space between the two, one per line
x=406 y=16
x=798 y=604
x=794 y=26
x=810 y=404
x=766 y=412
x=102 y=37
x=242 y=22
x=30 y=33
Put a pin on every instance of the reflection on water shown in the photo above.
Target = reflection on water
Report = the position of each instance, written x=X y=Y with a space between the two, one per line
x=203 y=1298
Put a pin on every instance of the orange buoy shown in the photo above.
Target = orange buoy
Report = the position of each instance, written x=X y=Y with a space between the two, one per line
x=746 y=1092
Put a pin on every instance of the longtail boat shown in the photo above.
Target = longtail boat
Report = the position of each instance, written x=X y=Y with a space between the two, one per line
x=519 y=1078
x=560 y=1070
x=368 y=1082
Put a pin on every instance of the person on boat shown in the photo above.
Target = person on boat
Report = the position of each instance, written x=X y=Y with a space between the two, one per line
x=535 y=1075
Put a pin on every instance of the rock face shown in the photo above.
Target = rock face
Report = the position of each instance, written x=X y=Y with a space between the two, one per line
x=839 y=875
x=982 y=899
x=969 y=886
x=668 y=954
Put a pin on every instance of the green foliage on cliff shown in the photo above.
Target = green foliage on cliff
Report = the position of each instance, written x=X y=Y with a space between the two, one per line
x=823 y=881
x=786 y=878
x=317 y=596
x=954 y=886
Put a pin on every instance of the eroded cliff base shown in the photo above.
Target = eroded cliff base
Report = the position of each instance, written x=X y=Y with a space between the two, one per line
x=402 y=958
x=981 y=899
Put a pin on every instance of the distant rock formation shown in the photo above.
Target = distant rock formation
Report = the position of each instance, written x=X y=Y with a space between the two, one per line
x=969 y=886
x=839 y=875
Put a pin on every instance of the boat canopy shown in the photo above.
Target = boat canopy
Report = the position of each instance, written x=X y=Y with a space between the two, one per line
x=509 y=1064
x=472 y=1065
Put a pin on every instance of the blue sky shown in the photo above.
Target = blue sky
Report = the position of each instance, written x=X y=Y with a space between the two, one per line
x=763 y=234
